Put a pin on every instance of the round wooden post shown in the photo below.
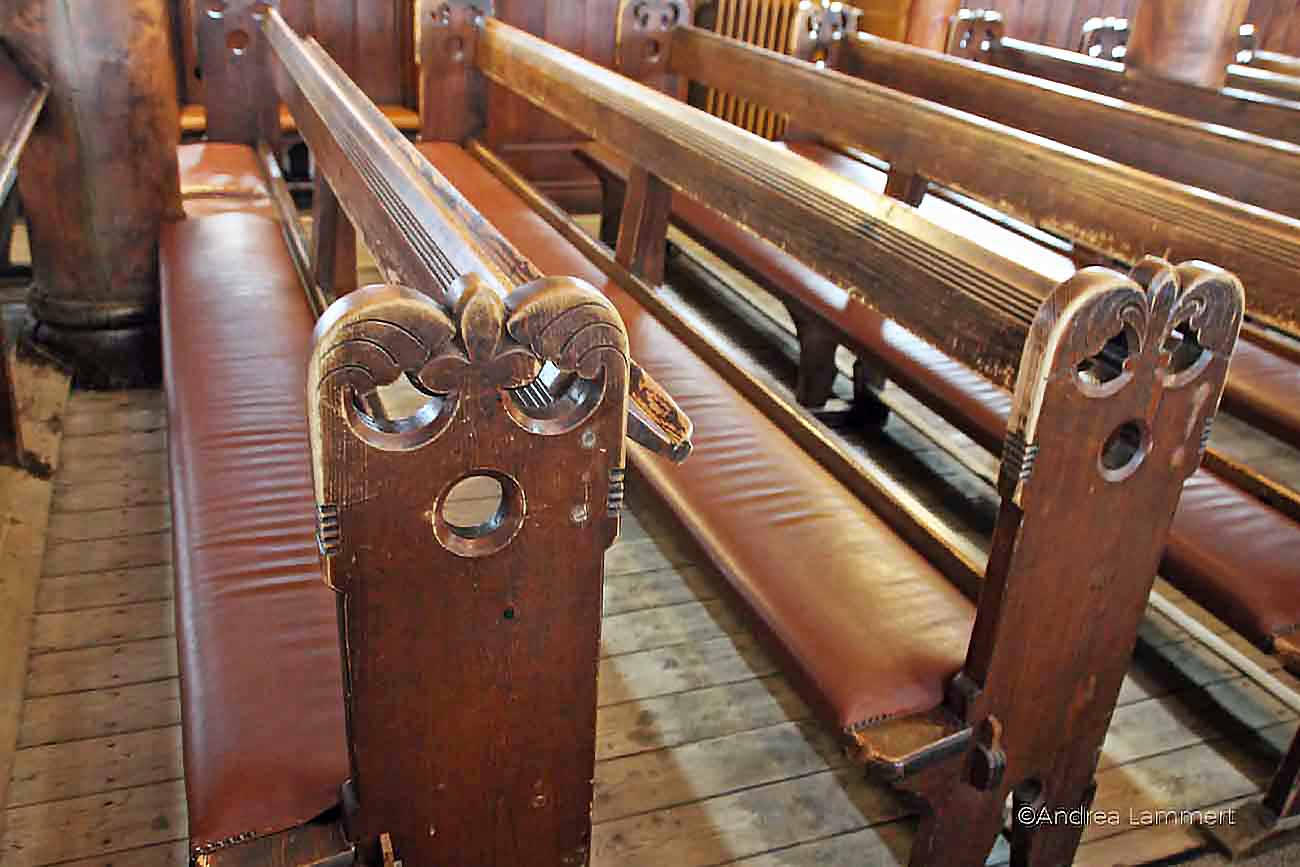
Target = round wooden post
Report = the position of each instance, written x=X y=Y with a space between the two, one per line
x=1192 y=41
x=928 y=22
x=97 y=179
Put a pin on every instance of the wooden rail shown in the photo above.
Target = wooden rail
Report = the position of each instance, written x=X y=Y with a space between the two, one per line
x=1249 y=168
x=1114 y=209
x=1255 y=101
x=950 y=291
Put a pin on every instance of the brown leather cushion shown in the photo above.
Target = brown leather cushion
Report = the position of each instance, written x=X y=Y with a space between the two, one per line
x=1232 y=553
x=871 y=629
x=262 y=707
x=217 y=178
x=1264 y=389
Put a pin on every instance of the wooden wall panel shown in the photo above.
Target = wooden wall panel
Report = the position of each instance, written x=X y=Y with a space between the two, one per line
x=371 y=39
x=1055 y=22
x=1279 y=24
x=532 y=141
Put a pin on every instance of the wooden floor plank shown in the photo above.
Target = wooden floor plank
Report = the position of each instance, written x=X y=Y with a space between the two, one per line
x=122 y=446
x=107 y=667
x=644 y=555
x=100 y=712
x=684 y=623
x=750 y=822
x=25 y=501
x=114 y=494
x=635 y=592
x=885 y=845
x=1163 y=724
x=682 y=718
x=57 y=772
x=680 y=668
x=68 y=630
x=104 y=555
x=174 y=854
x=83 y=424
x=109 y=523
x=99 y=589
x=94 y=825
x=149 y=468
x=705 y=769
x=127 y=400
x=1188 y=778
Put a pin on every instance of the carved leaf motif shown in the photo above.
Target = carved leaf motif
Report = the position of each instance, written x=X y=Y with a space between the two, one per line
x=567 y=322
x=381 y=333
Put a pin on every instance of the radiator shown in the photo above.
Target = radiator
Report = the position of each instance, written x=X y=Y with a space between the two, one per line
x=804 y=28
x=767 y=24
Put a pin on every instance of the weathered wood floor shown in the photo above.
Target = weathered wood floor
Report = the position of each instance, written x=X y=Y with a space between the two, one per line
x=706 y=755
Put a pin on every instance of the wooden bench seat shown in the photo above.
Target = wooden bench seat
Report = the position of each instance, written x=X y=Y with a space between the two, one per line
x=866 y=641
x=1226 y=549
x=261 y=698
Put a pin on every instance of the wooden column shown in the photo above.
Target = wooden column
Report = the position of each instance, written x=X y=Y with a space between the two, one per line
x=928 y=20
x=98 y=178
x=1192 y=41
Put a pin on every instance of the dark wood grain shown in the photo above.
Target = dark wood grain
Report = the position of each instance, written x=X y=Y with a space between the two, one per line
x=240 y=106
x=1106 y=206
x=334 y=245
x=1251 y=169
x=1243 y=109
x=945 y=287
x=643 y=231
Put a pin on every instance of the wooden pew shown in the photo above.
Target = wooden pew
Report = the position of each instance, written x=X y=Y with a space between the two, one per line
x=772 y=82
x=954 y=751
x=1242 y=166
x=1256 y=101
x=373 y=40
x=1268 y=73
x=519 y=379
x=1112 y=209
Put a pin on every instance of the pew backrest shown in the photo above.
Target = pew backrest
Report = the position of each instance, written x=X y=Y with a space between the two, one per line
x=1108 y=207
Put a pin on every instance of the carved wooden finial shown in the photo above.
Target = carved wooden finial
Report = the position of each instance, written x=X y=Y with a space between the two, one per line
x=461 y=632
x=819 y=27
x=1129 y=349
x=973 y=33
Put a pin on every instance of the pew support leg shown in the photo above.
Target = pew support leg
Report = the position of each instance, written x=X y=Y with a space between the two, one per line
x=613 y=191
x=868 y=409
x=1268 y=822
x=1047 y=843
x=817 y=345
x=959 y=828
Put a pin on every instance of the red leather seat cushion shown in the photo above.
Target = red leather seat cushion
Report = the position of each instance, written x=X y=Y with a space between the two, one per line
x=1265 y=390
x=871 y=629
x=262 y=706
x=218 y=177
